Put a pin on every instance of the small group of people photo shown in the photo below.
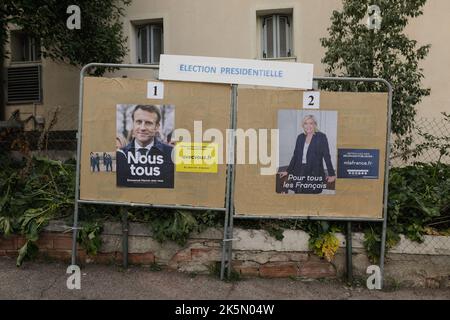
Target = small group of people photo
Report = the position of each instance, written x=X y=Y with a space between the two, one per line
x=307 y=152
x=102 y=162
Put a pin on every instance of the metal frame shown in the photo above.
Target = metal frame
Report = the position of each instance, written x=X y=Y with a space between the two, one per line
x=75 y=227
x=230 y=215
x=228 y=233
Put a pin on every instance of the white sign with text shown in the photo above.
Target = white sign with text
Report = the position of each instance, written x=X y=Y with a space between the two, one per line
x=155 y=90
x=236 y=71
x=311 y=100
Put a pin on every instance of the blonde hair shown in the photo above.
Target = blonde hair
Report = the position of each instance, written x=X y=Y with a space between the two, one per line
x=122 y=141
x=310 y=117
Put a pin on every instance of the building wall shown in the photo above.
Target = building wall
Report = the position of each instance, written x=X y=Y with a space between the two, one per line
x=433 y=27
x=60 y=87
x=230 y=29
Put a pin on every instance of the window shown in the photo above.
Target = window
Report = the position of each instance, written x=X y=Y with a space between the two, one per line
x=150 y=43
x=24 y=48
x=276 y=36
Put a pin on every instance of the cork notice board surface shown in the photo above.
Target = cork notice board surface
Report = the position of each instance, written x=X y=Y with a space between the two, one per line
x=209 y=103
x=361 y=124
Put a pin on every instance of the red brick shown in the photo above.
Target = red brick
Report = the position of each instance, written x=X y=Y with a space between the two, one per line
x=45 y=242
x=141 y=258
x=20 y=242
x=248 y=271
x=278 y=269
x=63 y=243
x=8 y=243
x=206 y=254
x=315 y=269
x=2 y=253
x=104 y=258
x=180 y=256
x=12 y=253
x=81 y=255
x=200 y=251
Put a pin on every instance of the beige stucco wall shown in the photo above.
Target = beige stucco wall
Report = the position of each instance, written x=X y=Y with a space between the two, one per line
x=230 y=29
x=60 y=85
x=434 y=28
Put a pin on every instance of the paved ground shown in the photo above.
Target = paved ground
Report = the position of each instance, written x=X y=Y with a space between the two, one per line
x=35 y=280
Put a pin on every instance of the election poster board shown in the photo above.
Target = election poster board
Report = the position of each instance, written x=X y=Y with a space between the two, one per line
x=330 y=159
x=129 y=142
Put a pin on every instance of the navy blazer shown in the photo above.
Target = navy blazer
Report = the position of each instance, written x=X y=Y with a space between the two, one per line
x=318 y=151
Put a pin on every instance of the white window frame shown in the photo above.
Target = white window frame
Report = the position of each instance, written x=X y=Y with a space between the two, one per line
x=151 y=56
x=33 y=54
x=276 y=35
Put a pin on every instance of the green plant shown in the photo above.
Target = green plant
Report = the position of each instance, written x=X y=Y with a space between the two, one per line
x=323 y=240
x=274 y=229
x=177 y=225
x=352 y=49
x=433 y=142
x=155 y=267
x=27 y=252
x=326 y=246
x=89 y=237
x=372 y=242
x=419 y=197
x=100 y=37
x=32 y=193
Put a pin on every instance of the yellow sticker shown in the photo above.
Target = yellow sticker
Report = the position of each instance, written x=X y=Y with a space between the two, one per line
x=196 y=157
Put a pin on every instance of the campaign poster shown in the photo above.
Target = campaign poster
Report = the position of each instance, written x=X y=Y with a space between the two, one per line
x=196 y=157
x=144 y=145
x=307 y=152
x=358 y=163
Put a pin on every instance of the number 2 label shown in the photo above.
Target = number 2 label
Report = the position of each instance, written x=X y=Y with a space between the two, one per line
x=311 y=100
x=155 y=90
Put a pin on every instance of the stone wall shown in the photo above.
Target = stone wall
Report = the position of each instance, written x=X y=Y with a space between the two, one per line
x=255 y=253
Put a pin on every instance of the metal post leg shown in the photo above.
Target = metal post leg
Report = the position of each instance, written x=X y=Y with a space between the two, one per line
x=75 y=234
x=124 y=237
x=348 y=252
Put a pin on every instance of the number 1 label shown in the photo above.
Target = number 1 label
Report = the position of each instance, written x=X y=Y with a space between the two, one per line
x=155 y=90
x=311 y=100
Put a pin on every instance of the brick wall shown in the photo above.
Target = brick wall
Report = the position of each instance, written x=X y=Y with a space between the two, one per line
x=199 y=254
x=255 y=253
x=58 y=246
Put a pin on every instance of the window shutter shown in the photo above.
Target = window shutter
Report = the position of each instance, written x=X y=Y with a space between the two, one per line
x=24 y=84
x=139 y=46
x=282 y=36
x=268 y=37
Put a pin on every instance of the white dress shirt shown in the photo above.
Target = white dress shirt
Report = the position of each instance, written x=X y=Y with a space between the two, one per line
x=305 y=151
x=137 y=146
